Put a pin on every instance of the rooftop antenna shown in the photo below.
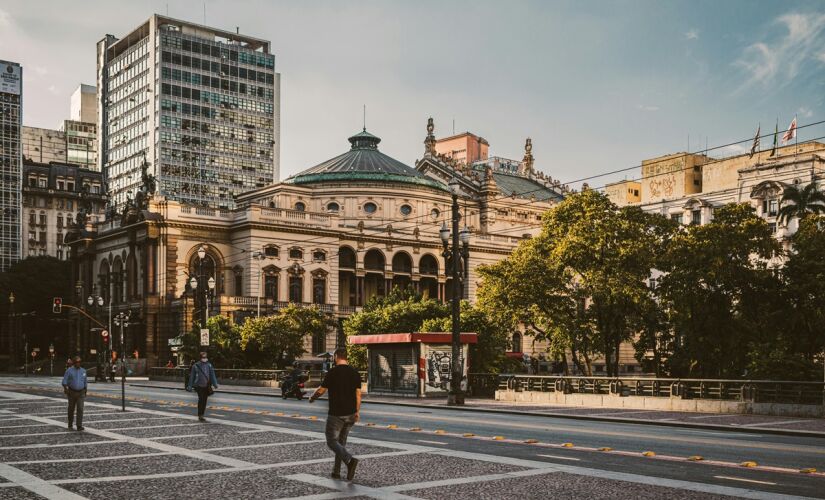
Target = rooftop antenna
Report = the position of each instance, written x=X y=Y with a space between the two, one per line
x=453 y=125
x=204 y=13
x=365 y=117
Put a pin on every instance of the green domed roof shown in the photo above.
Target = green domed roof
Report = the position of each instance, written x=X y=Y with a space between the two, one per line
x=363 y=162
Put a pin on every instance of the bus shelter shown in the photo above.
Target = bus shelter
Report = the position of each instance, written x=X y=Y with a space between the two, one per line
x=412 y=364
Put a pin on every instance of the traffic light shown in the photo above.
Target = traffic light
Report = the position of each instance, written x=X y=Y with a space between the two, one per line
x=57 y=305
x=105 y=336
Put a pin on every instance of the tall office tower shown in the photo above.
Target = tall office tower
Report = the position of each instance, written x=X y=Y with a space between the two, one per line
x=11 y=161
x=81 y=128
x=199 y=105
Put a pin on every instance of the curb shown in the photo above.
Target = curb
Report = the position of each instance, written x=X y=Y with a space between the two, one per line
x=592 y=418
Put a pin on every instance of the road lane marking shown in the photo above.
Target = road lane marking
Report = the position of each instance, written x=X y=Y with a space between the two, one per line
x=731 y=478
x=572 y=459
x=35 y=484
x=177 y=437
x=780 y=422
x=351 y=489
x=431 y=442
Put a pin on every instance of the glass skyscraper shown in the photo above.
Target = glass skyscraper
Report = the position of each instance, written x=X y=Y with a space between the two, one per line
x=11 y=161
x=201 y=106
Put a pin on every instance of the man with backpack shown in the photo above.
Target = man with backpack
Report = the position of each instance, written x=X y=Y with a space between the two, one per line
x=203 y=380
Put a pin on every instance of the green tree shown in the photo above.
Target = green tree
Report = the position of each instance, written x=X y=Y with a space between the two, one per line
x=487 y=356
x=401 y=311
x=716 y=275
x=804 y=318
x=582 y=283
x=275 y=341
x=798 y=203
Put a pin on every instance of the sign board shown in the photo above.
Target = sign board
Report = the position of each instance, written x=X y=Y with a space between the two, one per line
x=175 y=341
x=104 y=333
x=204 y=336
x=10 y=78
x=92 y=351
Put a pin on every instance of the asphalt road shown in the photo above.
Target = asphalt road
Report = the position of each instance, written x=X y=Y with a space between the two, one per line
x=557 y=440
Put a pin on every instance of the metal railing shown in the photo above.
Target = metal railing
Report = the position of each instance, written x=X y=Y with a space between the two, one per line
x=753 y=391
x=227 y=375
x=483 y=385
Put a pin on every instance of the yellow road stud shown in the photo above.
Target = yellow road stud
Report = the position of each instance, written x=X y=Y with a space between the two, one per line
x=498 y=438
x=531 y=441
x=313 y=417
x=392 y=426
x=279 y=414
x=648 y=454
x=468 y=435
x=440 y=431
x=749 y=463
x=809 y=470
x=605 y=448
x=415 y=429
x=567 y=445
x=695 y=458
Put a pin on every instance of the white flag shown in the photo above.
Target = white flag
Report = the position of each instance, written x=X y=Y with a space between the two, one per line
x=791 y=133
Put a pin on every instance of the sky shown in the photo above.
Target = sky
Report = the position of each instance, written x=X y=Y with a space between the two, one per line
x=597 y=85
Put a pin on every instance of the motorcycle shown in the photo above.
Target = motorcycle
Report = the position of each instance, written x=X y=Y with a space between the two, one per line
x=293 y=387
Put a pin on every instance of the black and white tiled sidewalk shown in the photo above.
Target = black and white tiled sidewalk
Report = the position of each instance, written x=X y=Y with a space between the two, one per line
x=145 y=453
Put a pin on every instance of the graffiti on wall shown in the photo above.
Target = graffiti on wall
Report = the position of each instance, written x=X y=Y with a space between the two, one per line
x=438 y=360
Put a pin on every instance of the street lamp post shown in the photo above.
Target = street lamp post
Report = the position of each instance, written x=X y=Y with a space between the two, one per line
x=122 y=320
x=96 y=303
x=458 y=254
x=198 y=282
x=259 y=256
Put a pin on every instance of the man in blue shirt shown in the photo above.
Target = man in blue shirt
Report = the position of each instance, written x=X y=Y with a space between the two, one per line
x=202 y=379
x=74 y=386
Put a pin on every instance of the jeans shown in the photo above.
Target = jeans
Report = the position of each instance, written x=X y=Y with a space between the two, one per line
x=76 y=399
x=203 y=393
x=337 y=431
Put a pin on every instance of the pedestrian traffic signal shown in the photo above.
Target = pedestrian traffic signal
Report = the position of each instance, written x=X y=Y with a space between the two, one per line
x=57 y=305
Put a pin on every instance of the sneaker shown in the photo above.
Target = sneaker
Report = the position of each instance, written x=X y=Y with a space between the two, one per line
x=335 y=475
x=200 y=417
x=70 y=426
x=353 y=463
x=81 y=428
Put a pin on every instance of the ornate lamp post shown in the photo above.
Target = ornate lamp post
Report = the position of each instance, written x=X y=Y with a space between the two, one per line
x=95 y=302
x=455 y=257
x=122 y=320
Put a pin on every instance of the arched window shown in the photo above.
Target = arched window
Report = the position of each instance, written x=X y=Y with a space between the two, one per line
x=346 y=258
x=271 y=251
x=517 y=347
x=374 y=260
x=300 y=206
x=370 y=207
x=333 y=207
x=296 y=253
x=296 y=288
x=319 y=256
x=271 y=282
x=237 y=286
x=401 y=263
x=405 y=210
x=319 y=287
x=428 y=265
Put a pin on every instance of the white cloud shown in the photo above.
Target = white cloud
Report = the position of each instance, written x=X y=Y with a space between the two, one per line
x=645 y=107
x=805 y=112
x=692 y=34
x=779 y=60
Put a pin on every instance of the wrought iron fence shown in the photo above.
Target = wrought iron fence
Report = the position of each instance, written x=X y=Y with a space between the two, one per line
x=483 y=384
x=754 y=391
x=226 y=375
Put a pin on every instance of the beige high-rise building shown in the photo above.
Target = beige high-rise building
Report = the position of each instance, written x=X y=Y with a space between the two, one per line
x=84 y=104
x=464 y=148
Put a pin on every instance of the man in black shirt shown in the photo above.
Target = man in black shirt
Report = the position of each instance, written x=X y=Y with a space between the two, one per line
x=344 y=385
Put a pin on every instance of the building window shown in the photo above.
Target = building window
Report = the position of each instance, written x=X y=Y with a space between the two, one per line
x=696 y=217
x=239 y=283
x=42 y=239
x=319 y=256
x=517 y=347
x=318 y=343
x=773 y=208
x=333 y=207
x=61 y=185
x=271 y=286
x=271 y=251
x=296 y=288
x=772 y=227
x=41 y=182
x=42 y=218
x=370 y=207
x=677 y=218
x=60 y=221
x=300 y=206
x=69 y=205
x=405 y=210
x=319 y=289
x=32 y=219
x=296 y=253
x=70 y=186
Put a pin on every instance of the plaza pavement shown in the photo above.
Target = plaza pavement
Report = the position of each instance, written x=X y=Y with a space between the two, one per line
x=148 y=453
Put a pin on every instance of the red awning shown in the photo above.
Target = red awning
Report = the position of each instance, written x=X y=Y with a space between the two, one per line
x=404 y=338
x=518 y=355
